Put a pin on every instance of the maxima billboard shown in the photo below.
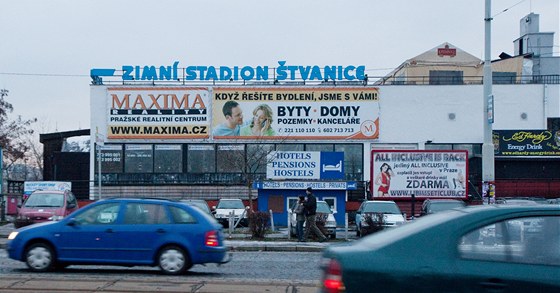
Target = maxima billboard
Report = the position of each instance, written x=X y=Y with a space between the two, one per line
x=424 y=174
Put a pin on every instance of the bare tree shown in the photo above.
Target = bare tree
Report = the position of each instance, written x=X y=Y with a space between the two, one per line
x=12 y=135
x=247 y=159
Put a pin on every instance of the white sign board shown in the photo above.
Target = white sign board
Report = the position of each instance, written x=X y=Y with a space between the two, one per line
x=424 y=174
x=30 y=186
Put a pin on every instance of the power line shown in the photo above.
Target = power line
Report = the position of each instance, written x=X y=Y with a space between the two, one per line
x=508 y=8
x=43 y=74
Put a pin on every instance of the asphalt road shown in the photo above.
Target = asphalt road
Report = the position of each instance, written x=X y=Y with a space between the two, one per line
x=247 y=272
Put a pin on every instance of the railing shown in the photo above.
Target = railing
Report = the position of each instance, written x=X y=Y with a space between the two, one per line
x=468 y=80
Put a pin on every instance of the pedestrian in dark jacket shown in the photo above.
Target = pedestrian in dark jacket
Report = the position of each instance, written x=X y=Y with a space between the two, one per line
x=310 y=214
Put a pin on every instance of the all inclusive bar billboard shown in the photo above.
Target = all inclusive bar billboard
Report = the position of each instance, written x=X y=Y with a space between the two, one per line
x=424 y=174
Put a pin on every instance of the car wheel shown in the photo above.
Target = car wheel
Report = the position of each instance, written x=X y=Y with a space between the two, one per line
x=39 y=257
x=173 y=260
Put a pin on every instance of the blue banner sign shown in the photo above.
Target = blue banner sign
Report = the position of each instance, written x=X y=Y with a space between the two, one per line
x=302 y=185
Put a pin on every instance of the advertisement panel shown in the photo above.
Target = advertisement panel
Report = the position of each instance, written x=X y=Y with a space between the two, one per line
x=295 y=113
x=526 y=143
x=158 y=112
x=302 y=185
x=305 y=165
x=424 y=174
x=30 y=186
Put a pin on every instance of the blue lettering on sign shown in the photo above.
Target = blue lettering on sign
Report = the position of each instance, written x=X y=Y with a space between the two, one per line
x=223 y=73
x=332 y=165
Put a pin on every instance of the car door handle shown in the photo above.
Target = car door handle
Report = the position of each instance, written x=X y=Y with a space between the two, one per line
x=109 y=230
x=160 y=231
x=493 y=284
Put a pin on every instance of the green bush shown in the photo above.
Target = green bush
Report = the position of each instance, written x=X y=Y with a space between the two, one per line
x=258 y=223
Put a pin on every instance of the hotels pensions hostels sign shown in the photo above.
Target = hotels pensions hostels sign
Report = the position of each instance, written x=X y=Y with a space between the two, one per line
x=305 y=165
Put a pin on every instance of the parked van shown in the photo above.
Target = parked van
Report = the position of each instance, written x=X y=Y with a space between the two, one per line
x=45 y=205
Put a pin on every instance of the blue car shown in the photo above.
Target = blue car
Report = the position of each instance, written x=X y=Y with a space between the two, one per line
x=123 y=231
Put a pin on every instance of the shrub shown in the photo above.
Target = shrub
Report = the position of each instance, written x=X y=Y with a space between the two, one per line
x=375 y=222
x=258 y=223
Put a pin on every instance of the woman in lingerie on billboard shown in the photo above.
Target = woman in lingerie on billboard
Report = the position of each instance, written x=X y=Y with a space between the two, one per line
x=384 y=180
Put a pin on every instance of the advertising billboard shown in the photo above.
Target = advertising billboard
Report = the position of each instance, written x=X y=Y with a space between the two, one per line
x=30 y=186
x=295 y=113
x=305 y=165
x=158 y=112
x=526 y=143
x=424 y=174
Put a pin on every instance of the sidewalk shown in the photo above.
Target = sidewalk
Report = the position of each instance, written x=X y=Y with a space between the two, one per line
x=237 y=242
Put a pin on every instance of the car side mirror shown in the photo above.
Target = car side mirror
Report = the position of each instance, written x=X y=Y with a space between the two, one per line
x=334 y=212
x=19 y=205
x=213 y=207
x=72 y=222
x=71 y=206
x=247 y=207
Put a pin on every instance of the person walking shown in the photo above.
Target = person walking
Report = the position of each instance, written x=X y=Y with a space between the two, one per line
x=310 y=215
x=299 y=210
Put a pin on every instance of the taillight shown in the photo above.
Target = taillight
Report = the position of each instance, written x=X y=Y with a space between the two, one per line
x=211 y=239
x=332 y=277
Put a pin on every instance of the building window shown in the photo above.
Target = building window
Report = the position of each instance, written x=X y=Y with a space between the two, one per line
x=257 y=157
x=331 y=201
x=138 y=158
x=289 y=147
x=201 y=158
x=353 y=160
x=504 y=77
x=231 y=158
x=168 y=158
x=446 y=77
x=111 y=158
x=319 y=147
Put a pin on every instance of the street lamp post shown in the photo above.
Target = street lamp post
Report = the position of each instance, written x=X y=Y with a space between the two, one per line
x=488 y=102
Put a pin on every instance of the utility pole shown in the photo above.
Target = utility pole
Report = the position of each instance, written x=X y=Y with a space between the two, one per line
x=488 y=102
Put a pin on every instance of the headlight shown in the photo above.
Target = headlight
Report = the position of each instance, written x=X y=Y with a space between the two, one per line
x=12 y=235
x=56 y=218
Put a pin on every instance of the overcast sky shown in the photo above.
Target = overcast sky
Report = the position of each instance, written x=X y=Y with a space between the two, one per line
x=48 y=47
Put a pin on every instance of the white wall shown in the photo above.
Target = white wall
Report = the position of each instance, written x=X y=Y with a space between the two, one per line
x=416 y=114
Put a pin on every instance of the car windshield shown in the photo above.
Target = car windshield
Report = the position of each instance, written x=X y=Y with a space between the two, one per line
x=45 y=200
x=323 y=207
x=446 y=205
x=199 y=204
x=382 y=207
x=230 y=204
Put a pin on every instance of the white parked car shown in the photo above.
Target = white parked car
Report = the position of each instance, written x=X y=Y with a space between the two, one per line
x=392 y=215
x=323 y=208
x=227 y=206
